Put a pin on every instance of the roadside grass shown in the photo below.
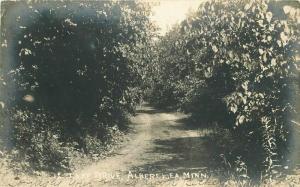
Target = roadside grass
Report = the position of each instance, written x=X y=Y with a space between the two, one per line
x=232 y=170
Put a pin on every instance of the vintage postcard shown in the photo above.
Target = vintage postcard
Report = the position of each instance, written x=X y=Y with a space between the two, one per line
x=150 y=93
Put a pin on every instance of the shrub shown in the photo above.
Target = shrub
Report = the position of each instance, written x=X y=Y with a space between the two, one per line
x=37 y=139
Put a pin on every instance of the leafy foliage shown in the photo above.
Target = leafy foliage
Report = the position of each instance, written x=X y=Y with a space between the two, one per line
x=73 y=76
x=236 y=60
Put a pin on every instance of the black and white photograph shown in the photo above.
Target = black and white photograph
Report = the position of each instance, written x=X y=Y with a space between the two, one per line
x=150 y=93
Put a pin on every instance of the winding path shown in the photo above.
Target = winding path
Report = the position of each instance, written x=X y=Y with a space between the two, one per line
x=162 y=149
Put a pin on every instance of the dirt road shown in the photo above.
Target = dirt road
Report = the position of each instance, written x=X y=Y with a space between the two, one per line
x=162 y=150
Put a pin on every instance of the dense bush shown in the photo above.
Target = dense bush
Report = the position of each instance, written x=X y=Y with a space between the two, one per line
x=234 y=62
x=71 y=73
x=38 y=141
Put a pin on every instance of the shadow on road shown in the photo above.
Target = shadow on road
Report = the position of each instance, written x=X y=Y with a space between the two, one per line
x=147 y=108
x=185 y=147
x=188 y=154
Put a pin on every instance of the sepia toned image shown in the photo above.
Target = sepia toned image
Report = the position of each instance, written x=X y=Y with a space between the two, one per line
x=150 y=93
